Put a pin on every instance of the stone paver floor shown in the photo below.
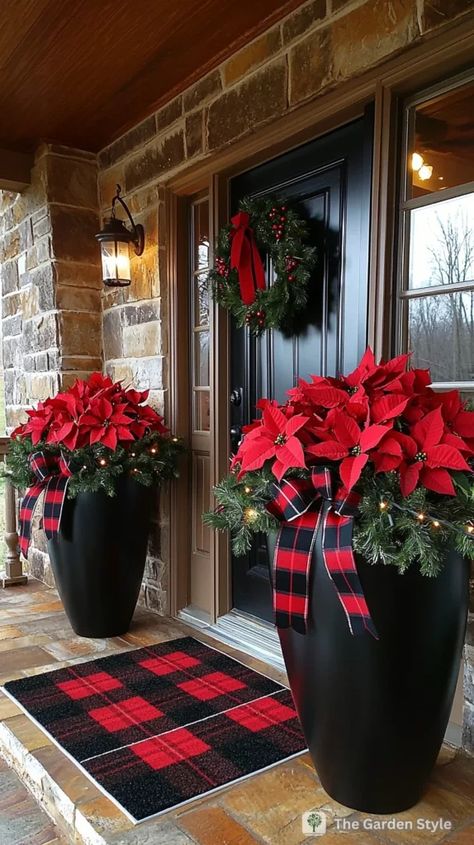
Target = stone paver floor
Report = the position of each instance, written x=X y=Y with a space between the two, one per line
x=263 y=810
x=22 y=822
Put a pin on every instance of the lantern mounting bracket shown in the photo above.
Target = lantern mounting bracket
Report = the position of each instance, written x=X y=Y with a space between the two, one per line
x=137 y=231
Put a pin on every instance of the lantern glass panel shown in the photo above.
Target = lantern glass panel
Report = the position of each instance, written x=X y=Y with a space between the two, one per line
x=115 y=262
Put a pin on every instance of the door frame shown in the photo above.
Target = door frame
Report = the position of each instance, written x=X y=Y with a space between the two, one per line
x=438 y=56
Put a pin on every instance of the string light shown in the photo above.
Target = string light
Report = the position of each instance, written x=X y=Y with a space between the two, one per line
x=250 y=515
x=133 y=454
x=174 y=439
x=247 y=489
x=103 y=462
x=84 y=466
x=153 y=450
x=467 y=530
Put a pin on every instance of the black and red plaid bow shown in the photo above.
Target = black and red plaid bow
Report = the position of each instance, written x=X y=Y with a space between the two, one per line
x=298 y=504
x=53 y=475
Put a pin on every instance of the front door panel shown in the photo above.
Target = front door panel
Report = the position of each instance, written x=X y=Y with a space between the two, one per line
x=329 y=179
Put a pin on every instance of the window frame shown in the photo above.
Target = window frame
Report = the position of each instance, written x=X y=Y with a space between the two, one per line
x=403 y=294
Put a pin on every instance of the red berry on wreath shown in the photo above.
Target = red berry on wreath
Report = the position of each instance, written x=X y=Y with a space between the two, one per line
x=291 y=278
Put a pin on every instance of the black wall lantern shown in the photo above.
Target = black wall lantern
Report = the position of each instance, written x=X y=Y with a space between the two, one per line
x=115 y=240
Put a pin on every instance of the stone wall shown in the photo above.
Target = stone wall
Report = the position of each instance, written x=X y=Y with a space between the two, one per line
x=50 y=283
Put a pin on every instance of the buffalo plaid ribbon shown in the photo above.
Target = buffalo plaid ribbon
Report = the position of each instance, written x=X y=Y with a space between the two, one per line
x=53 y=475
x=299 y=505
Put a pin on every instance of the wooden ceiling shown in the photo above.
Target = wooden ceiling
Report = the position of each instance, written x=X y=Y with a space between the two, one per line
x=80 y=72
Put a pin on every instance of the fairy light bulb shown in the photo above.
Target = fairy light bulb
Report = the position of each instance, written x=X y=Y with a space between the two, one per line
x=250 y=515
x=420 y=517
x=153 y=450
x=103 y=462
x=174 y=439
x=247 y=489
x=435 y=523
x=383 y=506
x=133 y=454
x=470 y=529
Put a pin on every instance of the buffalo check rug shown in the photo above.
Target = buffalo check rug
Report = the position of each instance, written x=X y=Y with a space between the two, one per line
x=158 y=726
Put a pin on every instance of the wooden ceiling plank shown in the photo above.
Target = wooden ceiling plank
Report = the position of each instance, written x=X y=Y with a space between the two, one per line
x=15 y=170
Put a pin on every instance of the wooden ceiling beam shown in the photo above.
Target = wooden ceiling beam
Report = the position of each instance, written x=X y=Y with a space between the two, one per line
x=15 y=170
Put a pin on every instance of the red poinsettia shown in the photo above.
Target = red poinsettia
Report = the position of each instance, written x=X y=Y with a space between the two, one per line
x=381 y=416
x=96 y=410
x=429 y=458
x=350 y=445
x=275 y=438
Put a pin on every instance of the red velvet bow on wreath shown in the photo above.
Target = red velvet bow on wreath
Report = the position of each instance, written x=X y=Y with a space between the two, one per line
x=245 y=258
x=299 y=505
x=53 y=474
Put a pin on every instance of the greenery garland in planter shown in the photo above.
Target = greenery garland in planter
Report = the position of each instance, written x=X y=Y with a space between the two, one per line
x=263 y=226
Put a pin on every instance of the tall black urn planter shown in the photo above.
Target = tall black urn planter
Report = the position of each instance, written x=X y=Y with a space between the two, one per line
x=374 y=712
x=98 y=557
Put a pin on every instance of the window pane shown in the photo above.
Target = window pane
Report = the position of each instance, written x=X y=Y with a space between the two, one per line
x=201 y=410
x=443 y=142
x=441 y=335
x=201 y=359
x=442 y=243
x=201 y=300
x=201 y=235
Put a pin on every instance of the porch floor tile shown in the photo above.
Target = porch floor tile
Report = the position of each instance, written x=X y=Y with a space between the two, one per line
x=266 y=809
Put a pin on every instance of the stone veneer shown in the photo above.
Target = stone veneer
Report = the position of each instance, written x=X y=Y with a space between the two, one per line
x=318 y=46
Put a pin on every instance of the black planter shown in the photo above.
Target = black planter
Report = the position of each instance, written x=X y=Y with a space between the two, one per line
x=374 y=713
x=98 y=557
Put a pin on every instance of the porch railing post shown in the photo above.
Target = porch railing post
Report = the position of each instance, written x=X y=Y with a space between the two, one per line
x=13 y=566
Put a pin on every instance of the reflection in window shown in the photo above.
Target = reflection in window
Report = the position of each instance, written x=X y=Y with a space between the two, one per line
x=200 y=315
x=442 y=142
x=437 y=290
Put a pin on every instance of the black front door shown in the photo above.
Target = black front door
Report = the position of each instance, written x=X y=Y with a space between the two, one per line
x=329 y=179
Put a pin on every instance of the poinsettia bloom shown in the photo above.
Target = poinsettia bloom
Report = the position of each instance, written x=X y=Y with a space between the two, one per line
x=349 y=444
x=38 y=423
x=106 y=423
x=429 y=458
x=144 y=419
x=274 y=438
x=459 y=421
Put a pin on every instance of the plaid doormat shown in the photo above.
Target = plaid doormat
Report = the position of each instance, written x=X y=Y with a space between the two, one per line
x=158 y=726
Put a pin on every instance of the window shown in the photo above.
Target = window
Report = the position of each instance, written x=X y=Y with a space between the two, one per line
x=200 y=315
x=436 y=299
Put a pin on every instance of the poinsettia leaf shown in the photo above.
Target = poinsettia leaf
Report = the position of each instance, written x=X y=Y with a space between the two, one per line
x=295 y=423
x=438 y=480
x=372 y=435
x=255 y=457
x=346 y=430
x=351 y=469
x=409 y=477
x=274 y=420
x=291 y=453
x=446 y=456
x=388 y=407
x=326 y=397
x=330 y=449
x=96 y=434
x=429 y=430
x=109 y=439
x=278 y=469
x=464 y=424
x=390 y=446
x=458 y=443
x=385 y=463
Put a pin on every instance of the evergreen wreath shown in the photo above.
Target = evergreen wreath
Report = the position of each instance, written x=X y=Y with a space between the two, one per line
x=263 y=226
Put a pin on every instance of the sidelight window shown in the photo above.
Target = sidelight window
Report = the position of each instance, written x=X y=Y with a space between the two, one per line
x=436 y=298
